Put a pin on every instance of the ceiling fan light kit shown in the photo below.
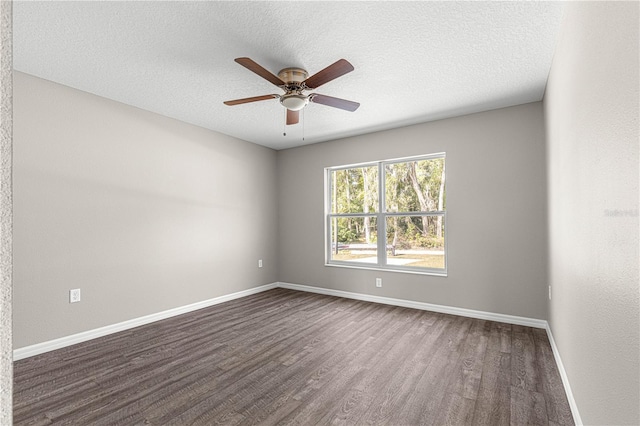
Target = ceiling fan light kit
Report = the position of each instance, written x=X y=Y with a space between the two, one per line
x=294 y=81
x=294 y=101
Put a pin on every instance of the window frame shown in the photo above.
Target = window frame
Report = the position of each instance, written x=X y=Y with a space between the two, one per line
x=381 y=216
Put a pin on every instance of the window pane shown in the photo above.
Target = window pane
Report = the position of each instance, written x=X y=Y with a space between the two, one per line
x=415 y=186
x=416 y=241
x=353 y=239
x=354 y=190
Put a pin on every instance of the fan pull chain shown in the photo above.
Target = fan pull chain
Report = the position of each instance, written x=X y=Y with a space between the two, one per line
x=284 y=123
x=302 y=123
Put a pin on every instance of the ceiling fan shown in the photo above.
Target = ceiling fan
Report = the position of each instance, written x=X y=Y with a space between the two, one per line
x=294 y=81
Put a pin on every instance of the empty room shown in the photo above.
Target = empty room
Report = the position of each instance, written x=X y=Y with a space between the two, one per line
x=278 y=213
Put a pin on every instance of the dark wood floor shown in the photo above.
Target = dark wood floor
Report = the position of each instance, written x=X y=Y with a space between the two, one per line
x=287 y=357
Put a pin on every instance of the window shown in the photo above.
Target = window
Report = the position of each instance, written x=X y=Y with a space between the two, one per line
x=388 y=215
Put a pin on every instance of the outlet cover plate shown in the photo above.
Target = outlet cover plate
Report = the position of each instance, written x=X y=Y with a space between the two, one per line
x=74 y=295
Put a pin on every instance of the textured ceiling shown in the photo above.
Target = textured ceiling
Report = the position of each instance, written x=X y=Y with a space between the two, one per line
x=414 y=61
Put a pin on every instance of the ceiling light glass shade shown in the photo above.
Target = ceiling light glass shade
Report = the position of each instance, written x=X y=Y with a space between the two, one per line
x=294 y=102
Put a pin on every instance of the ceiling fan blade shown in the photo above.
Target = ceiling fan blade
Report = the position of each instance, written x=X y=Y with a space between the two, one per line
x=258 y=69
x=253 y=99
x=331 y=72
x=335 y=102
x=293 y=117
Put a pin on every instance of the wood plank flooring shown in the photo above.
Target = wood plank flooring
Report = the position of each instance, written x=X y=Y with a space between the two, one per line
x=292 y=358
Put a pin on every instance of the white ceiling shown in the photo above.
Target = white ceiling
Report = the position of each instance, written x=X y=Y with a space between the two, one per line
x=414 y=61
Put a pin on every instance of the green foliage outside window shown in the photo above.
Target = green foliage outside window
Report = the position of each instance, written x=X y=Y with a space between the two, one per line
x=413 y=210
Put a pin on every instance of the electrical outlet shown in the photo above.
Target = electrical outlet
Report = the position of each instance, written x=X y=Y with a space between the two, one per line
x=378 y=282
x=259 y=263
x=74 y=295
x=549 y=292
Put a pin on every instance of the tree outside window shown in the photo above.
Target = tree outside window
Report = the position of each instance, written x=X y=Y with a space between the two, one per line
x=388 y=215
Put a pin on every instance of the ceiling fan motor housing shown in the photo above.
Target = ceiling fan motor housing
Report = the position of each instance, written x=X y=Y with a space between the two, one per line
x=294 y=100
x=293 y=76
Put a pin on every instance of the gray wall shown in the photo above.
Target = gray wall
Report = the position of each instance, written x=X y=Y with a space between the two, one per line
x=591 y=109
x=496 y=201
x=142 y=212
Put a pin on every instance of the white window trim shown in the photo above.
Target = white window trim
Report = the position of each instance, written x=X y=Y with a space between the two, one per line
x=380 y=220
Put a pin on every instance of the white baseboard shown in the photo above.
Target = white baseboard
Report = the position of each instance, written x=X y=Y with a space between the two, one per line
x=509 y=319
x=62 y=342
x=565 y=379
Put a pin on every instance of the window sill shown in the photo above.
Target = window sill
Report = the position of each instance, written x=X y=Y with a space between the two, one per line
x=386 y=269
